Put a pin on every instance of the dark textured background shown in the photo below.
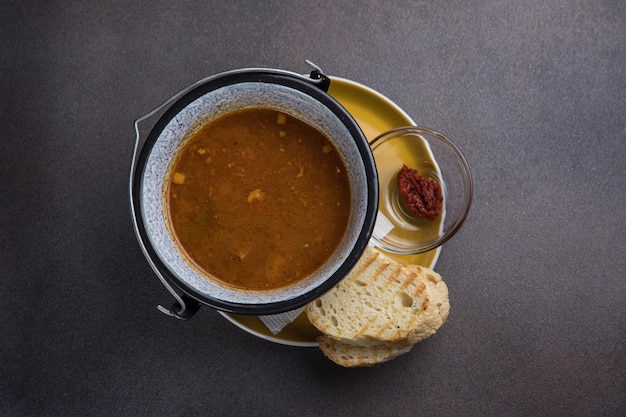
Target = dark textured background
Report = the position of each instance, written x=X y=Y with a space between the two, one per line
x=534 y=92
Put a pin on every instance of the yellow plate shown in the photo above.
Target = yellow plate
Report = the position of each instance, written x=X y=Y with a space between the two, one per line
x=375 y=114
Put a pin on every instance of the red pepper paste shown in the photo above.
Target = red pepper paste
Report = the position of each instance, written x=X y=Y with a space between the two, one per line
x=422 y=195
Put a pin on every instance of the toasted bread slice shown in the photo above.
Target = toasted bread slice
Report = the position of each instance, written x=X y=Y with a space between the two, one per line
x=352 y=356
x=382 y=302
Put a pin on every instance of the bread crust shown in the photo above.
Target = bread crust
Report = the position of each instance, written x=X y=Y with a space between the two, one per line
x=351 y=356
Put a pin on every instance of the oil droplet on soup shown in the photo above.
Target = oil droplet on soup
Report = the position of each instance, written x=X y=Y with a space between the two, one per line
x=258 y=199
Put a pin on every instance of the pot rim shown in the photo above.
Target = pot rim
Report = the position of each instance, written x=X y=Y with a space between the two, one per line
x=314 y=87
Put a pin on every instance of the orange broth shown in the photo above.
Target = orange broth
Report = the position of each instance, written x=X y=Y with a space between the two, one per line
x=258 y=199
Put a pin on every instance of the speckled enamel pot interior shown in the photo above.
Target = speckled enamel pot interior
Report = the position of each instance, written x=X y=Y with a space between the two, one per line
x=214 y=97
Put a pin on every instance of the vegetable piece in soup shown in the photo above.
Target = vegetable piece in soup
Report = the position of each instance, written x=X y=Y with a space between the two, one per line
x=258 y=199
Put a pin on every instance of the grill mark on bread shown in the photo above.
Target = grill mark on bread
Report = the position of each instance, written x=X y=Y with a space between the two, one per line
x=420 y=291
x=389 y=281
x=375 y=277
x=372 y=256
x=368 y=263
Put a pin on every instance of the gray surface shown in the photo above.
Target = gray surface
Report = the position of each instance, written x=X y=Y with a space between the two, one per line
x=533 y=91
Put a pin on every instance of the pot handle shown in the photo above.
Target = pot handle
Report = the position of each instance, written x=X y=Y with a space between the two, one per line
x=184 y=306
x=317 y=75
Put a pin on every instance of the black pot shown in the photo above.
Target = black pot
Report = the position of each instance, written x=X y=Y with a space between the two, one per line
x=160 y=135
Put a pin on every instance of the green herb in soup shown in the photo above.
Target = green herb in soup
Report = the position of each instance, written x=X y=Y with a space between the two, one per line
x=259 y=199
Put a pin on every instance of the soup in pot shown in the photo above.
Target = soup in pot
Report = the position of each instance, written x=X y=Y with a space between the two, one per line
x=258 y=199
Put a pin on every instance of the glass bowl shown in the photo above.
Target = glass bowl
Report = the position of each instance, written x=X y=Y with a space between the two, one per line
x=434 y=156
